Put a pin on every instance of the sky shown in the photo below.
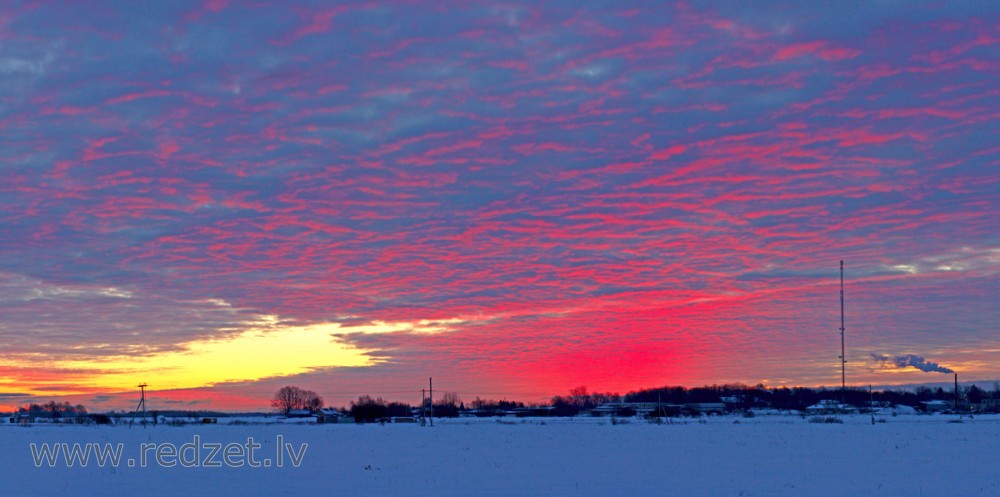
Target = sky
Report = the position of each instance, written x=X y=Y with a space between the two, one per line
x=515 y=198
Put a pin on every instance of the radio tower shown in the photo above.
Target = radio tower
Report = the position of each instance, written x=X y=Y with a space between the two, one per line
x=843 y=357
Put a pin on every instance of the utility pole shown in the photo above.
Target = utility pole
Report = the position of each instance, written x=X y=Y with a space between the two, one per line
x=431 y=398
x=871 y=403
x=142 y=404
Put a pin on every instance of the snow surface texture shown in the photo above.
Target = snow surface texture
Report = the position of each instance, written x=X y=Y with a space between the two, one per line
x=718 y=456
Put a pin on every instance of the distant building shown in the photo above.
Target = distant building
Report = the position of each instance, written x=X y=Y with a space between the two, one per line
x=522 y=412
x=332 y=416
x=650 y=408
x=937 y=405
x=829 y=406
x=894 y=410
x=743 y=401
x=613 y=409
x=706 y=407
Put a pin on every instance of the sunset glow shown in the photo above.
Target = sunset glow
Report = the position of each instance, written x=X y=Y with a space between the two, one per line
x=222 y=198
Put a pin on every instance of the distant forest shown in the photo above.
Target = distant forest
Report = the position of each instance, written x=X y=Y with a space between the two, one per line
x=798 y=398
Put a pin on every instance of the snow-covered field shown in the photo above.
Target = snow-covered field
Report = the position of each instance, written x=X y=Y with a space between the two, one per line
x=718 y=456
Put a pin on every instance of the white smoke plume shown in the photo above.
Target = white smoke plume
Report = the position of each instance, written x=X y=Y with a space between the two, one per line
x=909 y=360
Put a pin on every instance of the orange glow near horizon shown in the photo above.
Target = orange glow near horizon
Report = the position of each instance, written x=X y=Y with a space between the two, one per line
x=255 y=354
x=513 y=363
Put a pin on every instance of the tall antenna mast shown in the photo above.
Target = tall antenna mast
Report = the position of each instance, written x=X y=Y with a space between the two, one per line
x=843 y=357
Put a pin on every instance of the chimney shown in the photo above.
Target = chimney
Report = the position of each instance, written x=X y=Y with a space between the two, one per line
x=956 y=392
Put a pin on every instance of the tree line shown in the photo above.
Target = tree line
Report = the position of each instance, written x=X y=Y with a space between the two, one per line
x=737 y=396
x=52 y=409
x=798 y=398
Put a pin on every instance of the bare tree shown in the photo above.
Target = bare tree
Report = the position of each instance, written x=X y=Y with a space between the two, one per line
x=451 y=398
x=289 y=397
x=367 y=409
x=313 y=402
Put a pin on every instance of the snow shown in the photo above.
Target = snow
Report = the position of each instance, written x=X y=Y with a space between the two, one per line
x=711 y=456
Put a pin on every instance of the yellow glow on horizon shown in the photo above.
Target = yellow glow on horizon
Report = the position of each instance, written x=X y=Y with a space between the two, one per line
x=266 y=351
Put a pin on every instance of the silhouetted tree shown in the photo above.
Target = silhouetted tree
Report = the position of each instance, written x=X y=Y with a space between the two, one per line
x=485 y=407
x=975 y=395
x=447 y=407
x=53 y=410
x=564 y=406
x=450 y=398
x=289 y=397
x=579 y=395
x=398 y=410
x=367 y=409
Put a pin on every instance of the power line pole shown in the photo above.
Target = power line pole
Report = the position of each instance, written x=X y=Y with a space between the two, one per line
x=431 y=398
x=142 y=404
x=871 y=403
